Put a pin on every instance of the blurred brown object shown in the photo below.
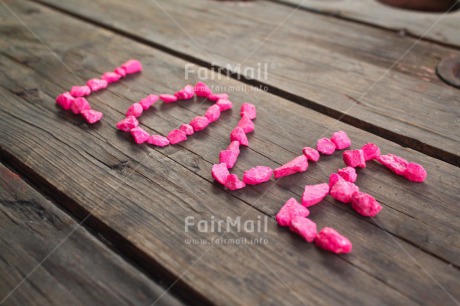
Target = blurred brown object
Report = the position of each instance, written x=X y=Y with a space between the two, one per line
x=421 y=5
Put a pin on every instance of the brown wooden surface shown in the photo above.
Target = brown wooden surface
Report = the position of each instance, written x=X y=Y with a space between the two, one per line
x=139 y=195
x=435 y=26
x=331 y=65
x=79 y=271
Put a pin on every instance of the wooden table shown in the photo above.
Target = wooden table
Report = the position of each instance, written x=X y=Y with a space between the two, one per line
x=90 y=218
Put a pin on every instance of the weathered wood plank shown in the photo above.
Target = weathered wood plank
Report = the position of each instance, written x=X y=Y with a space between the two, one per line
x=331 y=65
x=438 y=27
x=80 y=269
x=143 y=194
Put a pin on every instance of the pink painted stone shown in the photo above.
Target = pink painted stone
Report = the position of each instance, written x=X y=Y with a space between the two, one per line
x=97 y=84
x=289 y=211
x=371 y=151
x=325 y=146
x=415 y=173
x=111 y=77
x=158 y=140
x=304 y=227
x=348 y=174
x=217 y=97
x=228 y=157
x=202 y=90
x=135 y=110
x=313 y=194
x=79 y=104
x=91 y=116
x=148 y=101
x=167 y=98
x=354 y=158
x=246 y=124
x=176 y=136
x=330 y=240
x=365 y=204
x=199 y=123
x=234 y=146
x=257 y=175
x=220 y=173
x=80 y=91
x=341 y=140
x=311 y=154
x=120 y=71
x=298 y=164
x=239 y=135
x=187 y=93
x=233 y=182
x=395 y=163
x=213 y=113
x=334 y=178
x=140 y=136
x=249 y=110
x=187 y=129
x=224 y=104
x=128 y=124
x=132 y=66
x=343 y=190
x=65 y=100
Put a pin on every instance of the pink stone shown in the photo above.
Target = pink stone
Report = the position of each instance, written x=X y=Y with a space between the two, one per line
x=257 y=175
x=213 y=113
x=348 y=174
x=330 y=240
x=135 y=110
x=304 y=227
x=79 y=104
x=249 y=110
x=148 y=101
x=365 y=204
x=176 y=136
x=91 y=116
x=120 y=71
x=371 y=151
x=395 y=163
x=110 y=77
x=313 y=194
x=246 y=124
x=220 y=173
x=140 y=136
x=187 y=129
x=341 y=140
x=325 y=146
x=415 y=173
x=234 y=146
x=343 y=190
x=311 y=154
x=354 y=158
x=167 y=98
x=202 y=90
x=97 y=84
x=228 y=157
x=239 y=135
x=128 y=124
x=289 y=211
x=187 y=93
x=334 y=178
x=158 y=140
x=217 y=97
x=199 y=123
x=132 y=66
x=298 y=164
x=65 y=100
x=80 y=91
x=224 y=104
x=233 y=182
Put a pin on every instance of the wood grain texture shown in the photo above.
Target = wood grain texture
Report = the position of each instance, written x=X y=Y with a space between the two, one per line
x=70 y=267
x=370 y=78
x=438 y=27
x=139 y=196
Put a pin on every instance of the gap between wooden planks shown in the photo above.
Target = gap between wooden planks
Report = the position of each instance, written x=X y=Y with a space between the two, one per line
x=324 y=63
x=145 y=210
